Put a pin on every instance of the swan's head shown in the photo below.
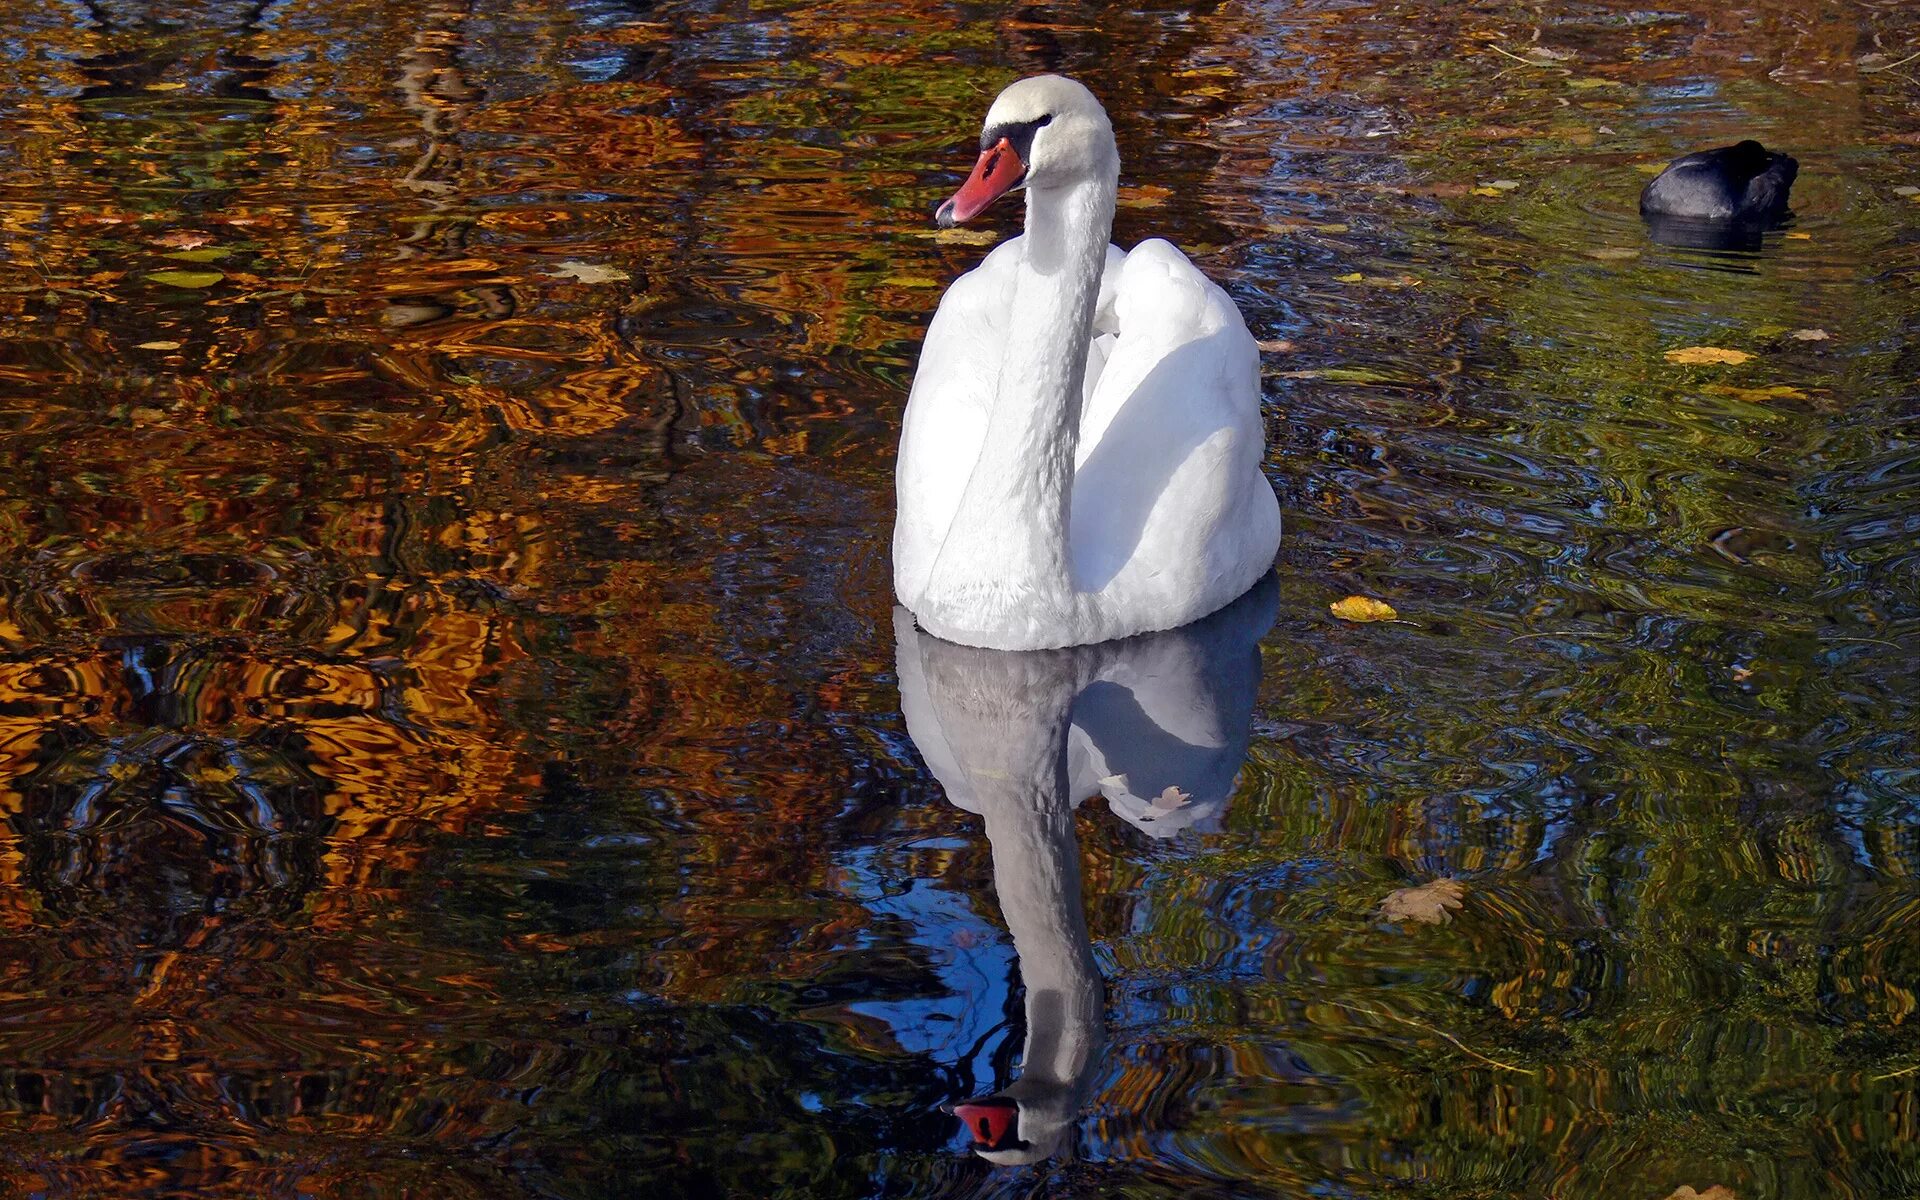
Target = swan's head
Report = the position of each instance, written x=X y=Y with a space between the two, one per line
x=1042 y=132
x=1014 y=1133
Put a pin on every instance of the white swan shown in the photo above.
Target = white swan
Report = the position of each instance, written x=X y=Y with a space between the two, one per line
x=1080 y=458
x=1020 y=739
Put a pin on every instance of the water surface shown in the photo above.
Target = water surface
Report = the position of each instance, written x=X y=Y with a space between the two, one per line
x=451 y=717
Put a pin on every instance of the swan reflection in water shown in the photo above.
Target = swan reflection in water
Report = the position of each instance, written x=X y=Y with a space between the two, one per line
x=1021 y=737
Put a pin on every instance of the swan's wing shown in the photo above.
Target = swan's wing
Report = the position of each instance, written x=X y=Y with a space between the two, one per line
x=953 y=390
x=1155 y=302
x=1169 y=501
x=946 y=417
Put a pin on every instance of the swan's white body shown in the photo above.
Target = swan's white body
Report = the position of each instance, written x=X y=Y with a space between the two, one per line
x=1081 y=454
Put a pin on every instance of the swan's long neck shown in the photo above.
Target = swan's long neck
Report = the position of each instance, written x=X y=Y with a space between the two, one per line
x=1007 y=547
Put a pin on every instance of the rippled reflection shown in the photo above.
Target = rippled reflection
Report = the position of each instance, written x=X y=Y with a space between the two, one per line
x=1157 y=725
x=449 y=735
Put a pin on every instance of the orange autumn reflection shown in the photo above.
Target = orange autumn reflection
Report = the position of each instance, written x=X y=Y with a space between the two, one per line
x=448 y=744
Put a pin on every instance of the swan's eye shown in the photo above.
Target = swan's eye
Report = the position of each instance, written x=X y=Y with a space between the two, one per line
x=1019 y=135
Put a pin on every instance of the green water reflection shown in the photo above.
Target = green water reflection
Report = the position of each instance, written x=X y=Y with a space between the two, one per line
x=451 y=737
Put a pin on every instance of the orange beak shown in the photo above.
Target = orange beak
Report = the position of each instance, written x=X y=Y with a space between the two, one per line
x=998 y=172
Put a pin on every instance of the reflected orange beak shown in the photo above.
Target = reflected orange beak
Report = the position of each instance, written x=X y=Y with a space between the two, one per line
x=991 y=1121
x=998 y=172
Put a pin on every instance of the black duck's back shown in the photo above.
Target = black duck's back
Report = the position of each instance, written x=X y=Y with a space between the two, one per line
x=1744 y=182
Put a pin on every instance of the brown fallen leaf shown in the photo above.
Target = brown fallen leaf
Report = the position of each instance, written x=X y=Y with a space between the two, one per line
x=1693 y=356
x=1362 y=608
x=1275 y=346
x=183 y=239
x=1428 y=904
x=1716 y=1192
x=1498 y=133
x=1146 y=195
x=588 y=272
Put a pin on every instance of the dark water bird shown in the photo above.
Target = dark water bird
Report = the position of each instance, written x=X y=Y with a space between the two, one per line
x=1719 y=199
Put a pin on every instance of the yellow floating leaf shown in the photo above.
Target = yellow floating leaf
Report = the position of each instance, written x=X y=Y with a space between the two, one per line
x=966 y=237
x=1362 y=608
x=1649 y=168
x=1693 y=356
x=186 y=279
x=913 y=281
x=1428 y=904
x=165 y=87
x=1354 y=277
x=1487 y=191
x=209 y=254
x=1799 y=237
x=1757 y=395
x=158 y=346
